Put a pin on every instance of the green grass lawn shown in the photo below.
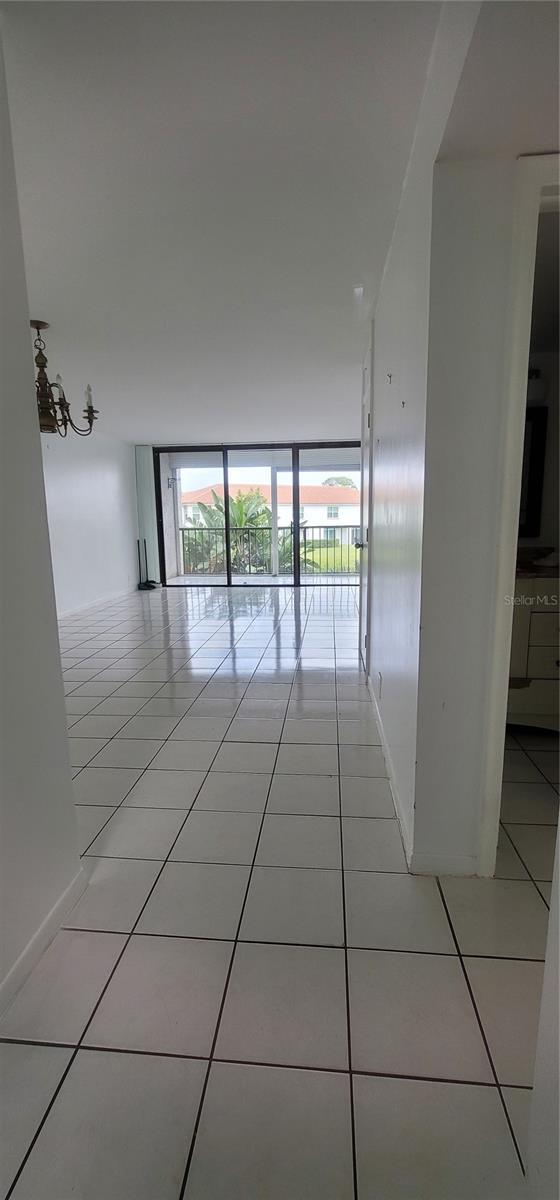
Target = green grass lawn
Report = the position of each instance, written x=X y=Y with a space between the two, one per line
x=342 y=560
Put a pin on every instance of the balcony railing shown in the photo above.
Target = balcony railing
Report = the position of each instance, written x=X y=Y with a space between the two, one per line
x=329 y=549
x=204 y=551
x=324 y=550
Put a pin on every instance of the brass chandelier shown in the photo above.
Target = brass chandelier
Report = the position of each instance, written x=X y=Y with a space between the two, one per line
x=54 y=414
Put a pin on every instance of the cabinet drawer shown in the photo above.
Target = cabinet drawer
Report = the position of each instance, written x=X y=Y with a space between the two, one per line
x=543 y=662
x=544 y=629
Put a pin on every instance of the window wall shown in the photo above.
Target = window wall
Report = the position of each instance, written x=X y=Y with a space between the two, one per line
x=240 y=515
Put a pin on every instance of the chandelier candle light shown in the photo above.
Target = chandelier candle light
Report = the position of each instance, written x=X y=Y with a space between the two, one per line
x=54 y=415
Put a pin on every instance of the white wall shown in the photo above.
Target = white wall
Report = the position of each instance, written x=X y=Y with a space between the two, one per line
x=92 y=512
x=316 y=514
x=39 y=867
x=398 y=424
x=472 y=229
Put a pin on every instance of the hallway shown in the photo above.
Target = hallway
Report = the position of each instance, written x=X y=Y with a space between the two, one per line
x=253 y=998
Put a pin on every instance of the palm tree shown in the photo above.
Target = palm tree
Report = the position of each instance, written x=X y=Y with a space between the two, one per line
x=250 y=522
x=246 y=509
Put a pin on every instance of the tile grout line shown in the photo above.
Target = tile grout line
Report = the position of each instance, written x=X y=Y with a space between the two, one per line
x=346 y=965
x=524 y=864
x=283 y=813
x=194 y=937
x=480 y=1025
x=251 y=1062
x=271 y=866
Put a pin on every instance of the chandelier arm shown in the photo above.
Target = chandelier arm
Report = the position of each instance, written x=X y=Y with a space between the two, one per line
x=80 y=432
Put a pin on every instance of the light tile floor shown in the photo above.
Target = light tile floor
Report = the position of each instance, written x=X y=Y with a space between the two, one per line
x=253 y=998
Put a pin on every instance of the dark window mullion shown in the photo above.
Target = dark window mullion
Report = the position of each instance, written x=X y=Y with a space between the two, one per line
x=159 y=521
x=226 y=515
x=295 y=515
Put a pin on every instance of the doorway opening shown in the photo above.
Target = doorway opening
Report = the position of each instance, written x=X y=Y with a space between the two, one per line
x=275 y=515
x=529 y=805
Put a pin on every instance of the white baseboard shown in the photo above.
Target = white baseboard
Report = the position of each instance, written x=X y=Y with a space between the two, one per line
x=406 y=832
x=110 y=598
x=419 y=863
x=29 y=957
x=443 y=864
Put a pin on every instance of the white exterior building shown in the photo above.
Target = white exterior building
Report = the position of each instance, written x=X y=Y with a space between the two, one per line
x=331 y=512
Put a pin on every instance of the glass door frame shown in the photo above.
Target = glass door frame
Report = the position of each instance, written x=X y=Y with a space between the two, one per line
x=223 y=448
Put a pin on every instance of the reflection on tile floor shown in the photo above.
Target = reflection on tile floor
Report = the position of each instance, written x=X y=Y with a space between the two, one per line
x=253 y=997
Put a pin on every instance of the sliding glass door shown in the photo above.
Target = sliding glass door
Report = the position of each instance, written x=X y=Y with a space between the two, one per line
x=330 y=516
x=260 y=486
x=193 y=516
x=258 y=515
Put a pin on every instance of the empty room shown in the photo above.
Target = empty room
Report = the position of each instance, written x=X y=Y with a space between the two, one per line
x=280 y=633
